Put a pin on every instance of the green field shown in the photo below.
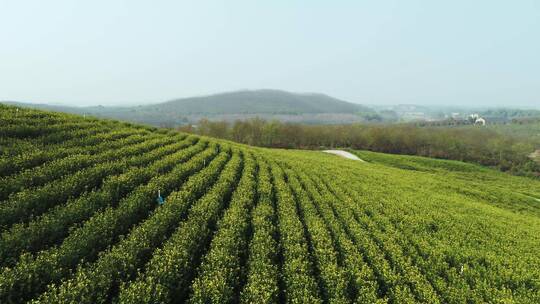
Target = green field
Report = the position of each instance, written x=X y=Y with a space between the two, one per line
x=79 y=221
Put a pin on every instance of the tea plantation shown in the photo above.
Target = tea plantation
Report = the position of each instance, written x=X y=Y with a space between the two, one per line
x=80 y=221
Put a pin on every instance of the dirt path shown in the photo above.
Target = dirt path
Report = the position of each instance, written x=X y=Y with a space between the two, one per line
x=344 y=154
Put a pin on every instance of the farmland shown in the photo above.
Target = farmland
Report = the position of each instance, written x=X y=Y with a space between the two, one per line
x=79 y=221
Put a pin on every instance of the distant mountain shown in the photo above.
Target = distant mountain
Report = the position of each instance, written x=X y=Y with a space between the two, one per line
x=267 y=104
x=259 y=101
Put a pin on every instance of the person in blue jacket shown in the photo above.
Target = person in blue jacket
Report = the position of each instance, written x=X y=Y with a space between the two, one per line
x=160 y=199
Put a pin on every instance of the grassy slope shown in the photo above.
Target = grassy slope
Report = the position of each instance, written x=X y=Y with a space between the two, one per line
x=464 y=212
x=489 y=186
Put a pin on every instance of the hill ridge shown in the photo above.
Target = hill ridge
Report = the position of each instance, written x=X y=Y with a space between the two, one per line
x=262 y=101
x=229 y=106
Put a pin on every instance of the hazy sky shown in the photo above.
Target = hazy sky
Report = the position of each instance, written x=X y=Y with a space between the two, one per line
x=374 y=52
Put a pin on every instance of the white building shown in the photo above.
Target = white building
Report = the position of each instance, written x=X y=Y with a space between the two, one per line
x=480 y=121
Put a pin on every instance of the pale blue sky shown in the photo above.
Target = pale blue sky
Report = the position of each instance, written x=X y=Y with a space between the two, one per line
x=476 y=53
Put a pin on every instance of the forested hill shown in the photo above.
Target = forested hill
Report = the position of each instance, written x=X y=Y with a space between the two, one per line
x=260 y=101
x=81 y=221
x=269 y=104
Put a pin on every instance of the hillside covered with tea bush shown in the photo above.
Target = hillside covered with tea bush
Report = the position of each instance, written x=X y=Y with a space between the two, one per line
x=80 y=221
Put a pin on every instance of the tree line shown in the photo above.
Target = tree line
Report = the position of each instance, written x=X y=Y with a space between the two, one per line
x=471 y=144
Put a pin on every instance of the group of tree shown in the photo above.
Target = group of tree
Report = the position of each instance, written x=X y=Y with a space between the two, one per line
x=478 y=145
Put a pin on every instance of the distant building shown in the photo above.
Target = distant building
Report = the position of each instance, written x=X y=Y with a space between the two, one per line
x=480 y=121
x=476 y=119
x=474 y=116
